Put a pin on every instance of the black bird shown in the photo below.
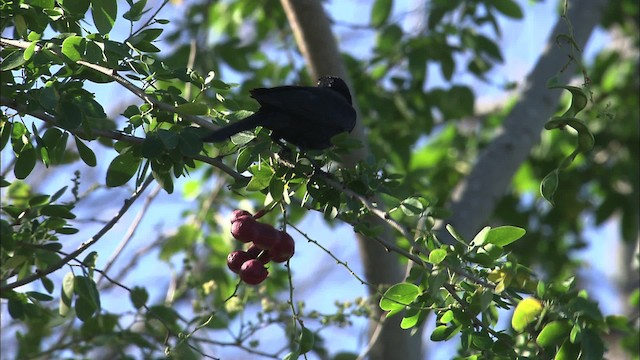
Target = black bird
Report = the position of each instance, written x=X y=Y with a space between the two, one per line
x=305 y=116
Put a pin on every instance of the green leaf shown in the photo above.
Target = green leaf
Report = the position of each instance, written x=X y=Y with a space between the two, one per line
x=619 y=322
x=452 y=231
x=444 y=332
x=104 y=14
x=25 y=163
x=592 y=345
x=189 y=143
x=166 y=315
x=39 y=200
x=579 y=98
x=447 y=317
x=88 y=297
x=458 y=102
x=169 y=138
x=508 y=8
x=293 y=355
x=481 y=237
x=85 y=308
x=86 y=154
x=482 y=341
x=58 y=194
x=488 y=47
x=525 y=313
x=397 y=297
x=136 y=11
x=245 y=158
x=276 y=188
x=150 y=34
x=55 y=143
x=164 y=179
x=261 y=178
x=43 y=4
x=5 y=133
x=138 y=296
x=152 y=146
x=85 y=287
x=437 y=255
x=67 y=231
x=74 y=47
x=186 y=235
x=89 y=261
x=39 y=296
x=145 y=46
x=568 y=351
x=388 y=39
x=306 y=342
x=122 y=169
x=13 y=61
x=504 y=235
x=553 y=333
x=29 y=51
x=66 y=294
x=75 y=8
x=411 y=207
x=62 y=211
x=380 y=12
x=68 y=114
x=549 y=185
x=412 y=318
x=15 y=308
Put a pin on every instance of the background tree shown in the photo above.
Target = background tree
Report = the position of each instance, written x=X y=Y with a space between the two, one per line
x=428 y=157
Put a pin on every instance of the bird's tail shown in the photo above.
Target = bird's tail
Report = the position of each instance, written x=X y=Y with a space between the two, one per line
x=226 y=132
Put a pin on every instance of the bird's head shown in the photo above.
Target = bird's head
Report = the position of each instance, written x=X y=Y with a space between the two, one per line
x=337 y=84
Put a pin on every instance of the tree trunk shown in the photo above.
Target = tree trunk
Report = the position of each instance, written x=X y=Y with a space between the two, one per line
x=475 y=198
x=316 y=41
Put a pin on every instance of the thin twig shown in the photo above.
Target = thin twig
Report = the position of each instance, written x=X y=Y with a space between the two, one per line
x=39 y=274
x=466 y=308
x=131 y=231
x=375 y=336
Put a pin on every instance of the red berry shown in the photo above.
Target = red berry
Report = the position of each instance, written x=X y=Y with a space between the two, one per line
x=245 y=229
x=236 y=214
x=266 y=236
x=257 y=253
x=284 y=249
x=236 y=259
x=253 y=272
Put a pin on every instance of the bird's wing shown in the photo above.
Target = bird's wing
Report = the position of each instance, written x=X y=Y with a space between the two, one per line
x=297 y=100
x=321 y=105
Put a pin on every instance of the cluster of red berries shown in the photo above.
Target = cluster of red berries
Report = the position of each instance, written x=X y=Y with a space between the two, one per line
x=268 y=244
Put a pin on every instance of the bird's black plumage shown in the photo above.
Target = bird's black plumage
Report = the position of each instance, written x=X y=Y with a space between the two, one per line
x=305 y=116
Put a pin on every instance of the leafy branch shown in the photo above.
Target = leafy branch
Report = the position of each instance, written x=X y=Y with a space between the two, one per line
x=39 y=274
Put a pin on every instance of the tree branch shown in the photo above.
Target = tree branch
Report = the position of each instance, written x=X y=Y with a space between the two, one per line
x=112 y=73
x=115 y=135
x=39 y=274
